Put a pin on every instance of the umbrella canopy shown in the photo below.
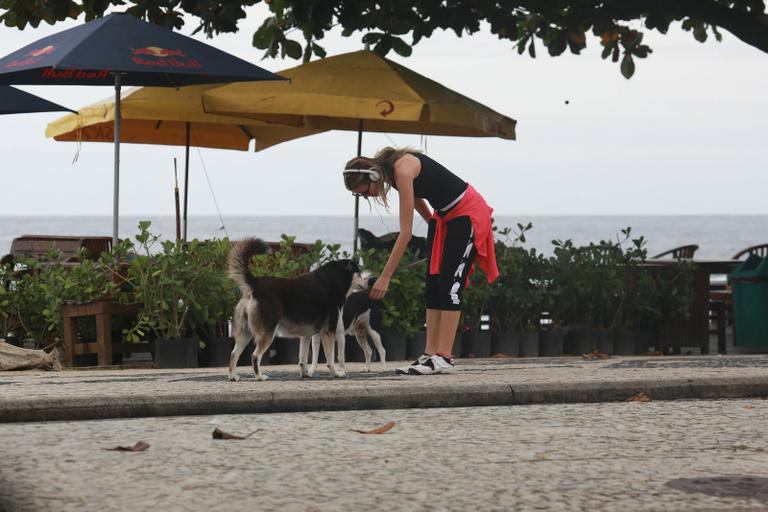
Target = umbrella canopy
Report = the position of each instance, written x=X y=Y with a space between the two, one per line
x=122 y=50
x=337 y=92
x=121 y=44
x=159 y=115
x=16 y=101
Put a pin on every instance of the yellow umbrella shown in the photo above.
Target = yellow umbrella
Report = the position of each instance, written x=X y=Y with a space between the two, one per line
x=359 y=91
x=335 y=93
x=165 y=116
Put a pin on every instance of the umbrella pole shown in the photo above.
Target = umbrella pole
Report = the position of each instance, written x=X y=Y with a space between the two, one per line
x=357 y=198
x=116 y=191
x=186 y=182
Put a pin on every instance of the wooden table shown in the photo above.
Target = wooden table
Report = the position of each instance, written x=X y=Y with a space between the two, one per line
x=103 y=311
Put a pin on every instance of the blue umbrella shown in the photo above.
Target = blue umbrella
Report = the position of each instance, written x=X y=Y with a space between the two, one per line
x=15 y=101
x=118 y=50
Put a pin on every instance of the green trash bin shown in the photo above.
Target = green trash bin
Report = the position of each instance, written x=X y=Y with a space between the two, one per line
x=749 y=282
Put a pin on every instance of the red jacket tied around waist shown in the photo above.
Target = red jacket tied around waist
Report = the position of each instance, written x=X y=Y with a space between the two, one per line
x=473 y=206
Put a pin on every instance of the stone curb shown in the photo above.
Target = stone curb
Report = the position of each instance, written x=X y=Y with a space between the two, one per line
x=361 y=398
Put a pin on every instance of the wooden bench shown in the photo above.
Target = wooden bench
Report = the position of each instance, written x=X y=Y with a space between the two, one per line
x=102 y=311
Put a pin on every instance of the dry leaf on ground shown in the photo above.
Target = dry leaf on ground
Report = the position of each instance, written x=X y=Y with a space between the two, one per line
x=220 y=434
x=380 y=430
x=138 y=447
x=640 y=397
x=595 y=355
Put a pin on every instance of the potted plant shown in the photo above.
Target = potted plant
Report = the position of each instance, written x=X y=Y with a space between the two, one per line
x=30 y=305
x=589 y=286
x=637 y=303
x=506 y=313
x=166 y=285
x=210 y=312
x=476 y=311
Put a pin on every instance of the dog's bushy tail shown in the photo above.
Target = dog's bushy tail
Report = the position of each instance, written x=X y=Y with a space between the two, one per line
x=239 y=258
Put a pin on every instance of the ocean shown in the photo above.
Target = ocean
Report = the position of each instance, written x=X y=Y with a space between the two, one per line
x=718 y=236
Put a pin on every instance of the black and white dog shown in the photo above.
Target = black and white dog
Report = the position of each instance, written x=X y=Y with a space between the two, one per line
x=357 y=317
x=292 y=307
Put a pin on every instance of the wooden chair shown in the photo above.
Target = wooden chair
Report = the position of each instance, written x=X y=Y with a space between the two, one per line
x=758 y=250
x=684 y=252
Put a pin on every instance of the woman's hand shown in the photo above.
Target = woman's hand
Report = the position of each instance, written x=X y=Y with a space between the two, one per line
x=380 y=288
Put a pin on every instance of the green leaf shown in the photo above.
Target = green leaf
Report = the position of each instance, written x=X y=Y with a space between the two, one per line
x=383 y=46
x=558 y=44
x=401 y=47
x=292 y=48
x=627 y=66
x=372 y=37
x=318 y=50
x=700 y=33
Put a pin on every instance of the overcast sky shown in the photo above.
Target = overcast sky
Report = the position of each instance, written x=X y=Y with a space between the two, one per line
x=686 y=135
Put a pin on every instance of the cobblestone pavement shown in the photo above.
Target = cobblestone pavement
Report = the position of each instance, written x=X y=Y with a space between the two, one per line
x=114 y=393
x=595 y=457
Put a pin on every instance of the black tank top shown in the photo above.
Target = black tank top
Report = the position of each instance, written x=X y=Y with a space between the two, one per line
x=436 y=184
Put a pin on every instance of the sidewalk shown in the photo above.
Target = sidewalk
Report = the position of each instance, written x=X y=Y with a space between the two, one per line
x=101 y=394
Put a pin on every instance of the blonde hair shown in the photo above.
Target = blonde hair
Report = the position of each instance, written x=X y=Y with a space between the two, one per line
x=383 y=163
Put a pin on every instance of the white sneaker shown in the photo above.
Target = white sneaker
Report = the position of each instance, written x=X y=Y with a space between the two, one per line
x=434 y=364
x=405 y=370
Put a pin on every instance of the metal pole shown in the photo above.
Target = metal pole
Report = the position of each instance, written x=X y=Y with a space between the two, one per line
x=186 y=183
x=116 y=191
x=357 y=198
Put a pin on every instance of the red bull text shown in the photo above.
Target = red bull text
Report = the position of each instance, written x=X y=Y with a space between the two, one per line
x=75 y=74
